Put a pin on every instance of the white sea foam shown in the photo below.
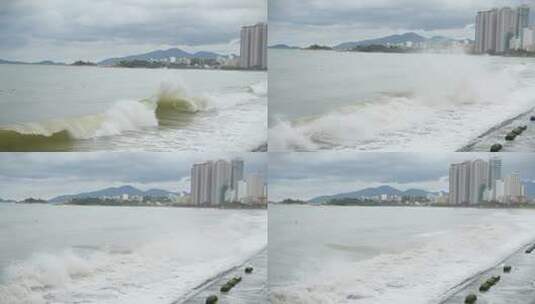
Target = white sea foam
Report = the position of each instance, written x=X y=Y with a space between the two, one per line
x=419 y=274
x=448 y=102
x=159 y=271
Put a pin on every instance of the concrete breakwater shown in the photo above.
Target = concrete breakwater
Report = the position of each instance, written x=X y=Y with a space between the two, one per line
x=514 y=135
x=510 y=281
x=252 y=288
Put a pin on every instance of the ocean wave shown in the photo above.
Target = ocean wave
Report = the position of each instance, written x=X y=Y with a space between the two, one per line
x=441 y=113
x=420 y=274
x=172 y=106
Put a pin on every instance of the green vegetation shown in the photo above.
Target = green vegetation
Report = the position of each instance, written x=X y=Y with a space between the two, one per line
x=193 y=63
x=379 y=48
x=84 y=63
x=317 y=47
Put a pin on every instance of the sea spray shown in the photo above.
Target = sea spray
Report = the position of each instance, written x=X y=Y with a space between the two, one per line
x=424 y=102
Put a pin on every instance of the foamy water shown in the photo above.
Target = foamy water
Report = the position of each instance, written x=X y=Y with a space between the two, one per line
x=119 y=255
x=392 y=102
x=385 y=255
x=85 y=109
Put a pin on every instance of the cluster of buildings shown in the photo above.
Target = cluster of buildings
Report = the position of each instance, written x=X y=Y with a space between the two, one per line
x=478 y=181
x=214 y=183
x=253 y=46
x=500 y=30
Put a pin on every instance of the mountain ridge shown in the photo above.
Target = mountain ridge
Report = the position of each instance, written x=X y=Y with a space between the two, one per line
x=111 y=191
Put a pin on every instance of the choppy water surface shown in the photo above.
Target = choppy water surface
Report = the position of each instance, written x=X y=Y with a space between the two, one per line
x=385 y=255
x=64 y=108
x=393 y=102
x=70 y=254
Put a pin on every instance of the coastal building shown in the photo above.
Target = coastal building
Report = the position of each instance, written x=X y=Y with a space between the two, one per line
x=479 y=172
x=221 y=174
x=459 y=179
x=255 y=188
x=513 y=189
x=201 y=183
x=505 y=28
x=528 y=39
x=499 y=30
x=495 y=174
x=236 y=173
x=253 y=46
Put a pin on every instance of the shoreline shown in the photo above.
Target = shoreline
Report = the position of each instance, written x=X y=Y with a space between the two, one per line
x=497 y=207
x=121 y=67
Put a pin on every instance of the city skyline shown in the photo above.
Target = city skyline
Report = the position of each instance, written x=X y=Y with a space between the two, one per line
x=215 y=182
x=322 y=173
x=46 y=175
x=63 y=31
x=302 y=23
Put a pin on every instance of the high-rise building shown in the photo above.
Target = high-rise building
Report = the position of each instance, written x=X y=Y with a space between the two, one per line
x=513 y=188
x=498 y=30
x=236 y=173
x=479 y=172
x=505 y=28
x=486 y=26
x=221 y=172
x=459 y=183
x=528 y=39
x=253 y=46
x=201 y=183
x=521 y=20
x=255 y=187
x=495 y=174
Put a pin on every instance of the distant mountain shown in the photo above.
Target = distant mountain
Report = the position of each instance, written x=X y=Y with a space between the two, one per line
x=284 y=47
x=370 y=192
x=161 y=54
x=44 y=62
x=2 y=61
x=6 y=201
x=114 y=191
x=392 y=39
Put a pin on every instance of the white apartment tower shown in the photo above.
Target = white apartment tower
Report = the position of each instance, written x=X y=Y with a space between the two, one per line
x=221 y=173
x=459 y=179
x=253 y=46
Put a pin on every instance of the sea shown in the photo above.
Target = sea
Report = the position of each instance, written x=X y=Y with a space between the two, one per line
x=72 y=108
x=376 y=255
x=398 y=102
x=75 y=254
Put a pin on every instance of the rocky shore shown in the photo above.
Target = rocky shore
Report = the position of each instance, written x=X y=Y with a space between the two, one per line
x=510 y=281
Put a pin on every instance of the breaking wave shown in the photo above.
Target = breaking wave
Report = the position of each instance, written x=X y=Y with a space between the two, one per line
x=172 y=106
x=449 y=104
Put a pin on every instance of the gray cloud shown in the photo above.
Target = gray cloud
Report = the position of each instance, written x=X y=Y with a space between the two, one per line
x=306 y=175
x=334 y=21
x=50 y=174
x=24 y=23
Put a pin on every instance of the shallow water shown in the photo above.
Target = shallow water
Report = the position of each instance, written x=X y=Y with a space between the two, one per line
x=65 y=108
x=391 y=102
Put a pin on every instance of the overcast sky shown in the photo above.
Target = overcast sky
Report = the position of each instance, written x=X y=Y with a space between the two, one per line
x=46 y=175
x=307 y=175
x=330 y=22
x=67 y=30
